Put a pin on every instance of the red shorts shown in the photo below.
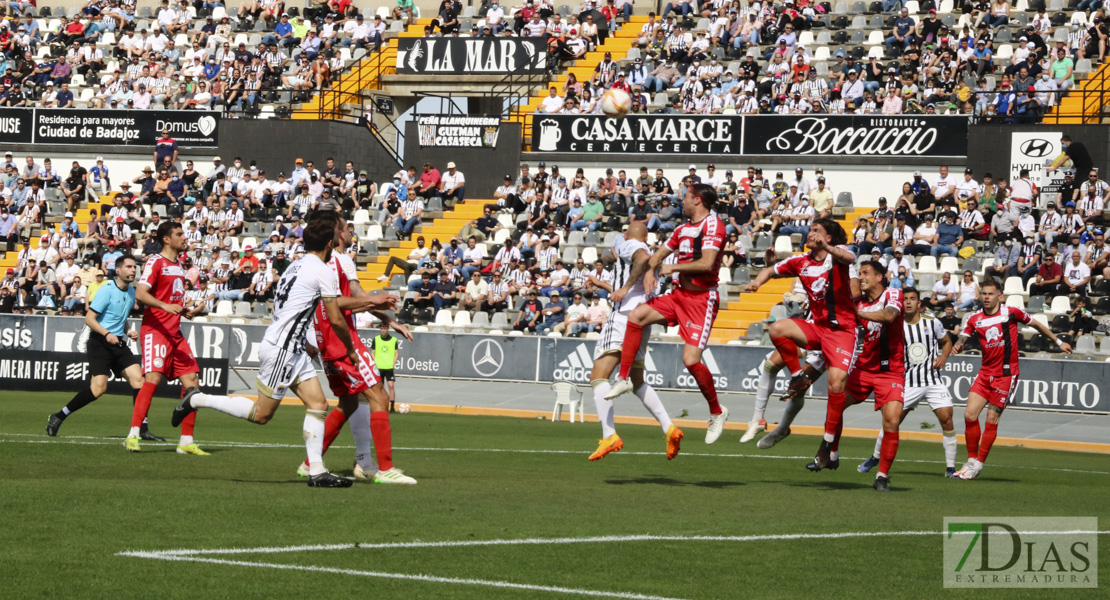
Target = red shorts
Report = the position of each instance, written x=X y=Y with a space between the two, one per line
x=887 y=387
x=838 y=346
x=998 y=390
x=693 y=312
x=346 y=379
x=169 y=355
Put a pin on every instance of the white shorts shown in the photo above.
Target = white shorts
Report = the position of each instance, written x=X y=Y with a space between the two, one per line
x=279 y=369
x=936 y=395
x=612 y=337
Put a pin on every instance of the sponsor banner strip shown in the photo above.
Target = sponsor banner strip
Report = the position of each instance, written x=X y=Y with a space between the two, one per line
x=471 y=56
x=189 y=128
x=1054 y=385
x=40 y=371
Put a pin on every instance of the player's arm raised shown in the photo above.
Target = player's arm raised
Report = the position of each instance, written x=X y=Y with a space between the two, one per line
x=640 y=260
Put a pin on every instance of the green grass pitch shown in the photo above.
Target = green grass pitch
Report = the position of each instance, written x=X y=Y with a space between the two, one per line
x=70 y=505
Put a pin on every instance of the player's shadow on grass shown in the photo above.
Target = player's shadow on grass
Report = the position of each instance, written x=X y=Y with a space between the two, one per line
x=838 y=485
x=298 y=481
x=670 y=481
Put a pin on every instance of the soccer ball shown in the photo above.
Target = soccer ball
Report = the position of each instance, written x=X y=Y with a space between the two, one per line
x=403 y=408
x=616 y=102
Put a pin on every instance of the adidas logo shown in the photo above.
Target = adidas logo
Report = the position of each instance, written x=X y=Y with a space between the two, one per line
x=686 y=380
x=577 y=365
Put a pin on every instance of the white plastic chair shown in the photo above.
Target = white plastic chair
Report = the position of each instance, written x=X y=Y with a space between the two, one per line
x=949 y=264
x=567 y=394
x=1061 y=305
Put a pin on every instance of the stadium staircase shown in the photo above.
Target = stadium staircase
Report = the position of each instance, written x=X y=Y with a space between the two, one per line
x=619 y=42
x=1086 y=103
x=441 y=226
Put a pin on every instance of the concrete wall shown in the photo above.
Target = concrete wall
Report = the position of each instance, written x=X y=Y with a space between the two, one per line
x=484 y=169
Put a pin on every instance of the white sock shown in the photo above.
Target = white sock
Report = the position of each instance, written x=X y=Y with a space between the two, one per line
x=879 y=445
x=828 y=437
x=793 y=407
x=134 y=432
x=834 y=455
x=650 y=398
x=763 y=390
x=236 y=406
x=604 y=407
x=950 y=445
x=185 y=441
x=314 y=440
x=360 y=430
x=65 y=410
x=881 y=474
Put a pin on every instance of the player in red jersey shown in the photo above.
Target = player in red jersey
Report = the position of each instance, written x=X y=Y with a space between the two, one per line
x=165 y=353
x=692 y=304
x=825 y=273
x=359 y=387
x=996 y=327
x=880 y=367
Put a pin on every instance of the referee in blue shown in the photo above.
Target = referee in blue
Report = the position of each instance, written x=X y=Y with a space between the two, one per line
x=107 y=349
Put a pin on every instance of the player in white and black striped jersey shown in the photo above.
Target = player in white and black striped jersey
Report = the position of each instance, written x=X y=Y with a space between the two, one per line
x=927 y=349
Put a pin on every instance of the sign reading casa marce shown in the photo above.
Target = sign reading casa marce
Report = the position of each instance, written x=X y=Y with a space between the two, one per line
x=759 y=135
x=104 y=126
x=471 y=56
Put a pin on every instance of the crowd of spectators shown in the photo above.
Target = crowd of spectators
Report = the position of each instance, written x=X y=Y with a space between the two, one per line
x=985 y=64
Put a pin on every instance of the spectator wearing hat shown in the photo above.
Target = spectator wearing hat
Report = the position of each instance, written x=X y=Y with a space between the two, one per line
x=9 y=228
x=454 y=185
x=553 y=314
x=430 y=182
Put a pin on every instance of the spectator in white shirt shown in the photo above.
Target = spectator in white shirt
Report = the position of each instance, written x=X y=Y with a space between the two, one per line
x=944 y=291
x=454 y=184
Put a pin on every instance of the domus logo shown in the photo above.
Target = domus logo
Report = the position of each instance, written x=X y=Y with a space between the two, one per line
x=685 y=380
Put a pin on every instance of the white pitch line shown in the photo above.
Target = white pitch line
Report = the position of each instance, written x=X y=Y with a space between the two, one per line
x=558 y=541
x=402 y=576
x=111 y=441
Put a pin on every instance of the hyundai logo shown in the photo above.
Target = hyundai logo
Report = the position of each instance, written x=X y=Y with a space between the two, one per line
x=487 y=357
x=1036 y=148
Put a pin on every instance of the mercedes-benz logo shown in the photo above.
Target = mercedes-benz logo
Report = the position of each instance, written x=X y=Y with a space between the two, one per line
x=487 y=357
x=1036 y=148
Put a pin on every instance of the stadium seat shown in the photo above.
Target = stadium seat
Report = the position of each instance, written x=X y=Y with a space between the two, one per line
x=1015 y=301
x=1061 y=305
x=1102 y=306
x=242 y=309
x=927 y=265
x=1085 y=345
x=844 y=199
x=949 y=264
x=374 y=232
x=444 y=317
x=462 y=318
x=567 y=394
x=783 y=245
x=1104 y=346
x=223 y=308
x=499 y=321
x=480 y=319
x=589 y=255
x=1013 y=285
x=570 y=255
x=1036 y=304
x=501 y=235
x=362 y=216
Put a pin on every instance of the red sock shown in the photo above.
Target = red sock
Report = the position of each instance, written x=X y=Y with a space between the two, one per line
x=704 y=379
x=887 y=452
x=835 y=447
x=188 y=423
x=633 y=334
x=788 y=350
x=834 y=414
x=989 y=434
x=142 y=403
x=383 y=439
x=332 y=426
x=971 y=438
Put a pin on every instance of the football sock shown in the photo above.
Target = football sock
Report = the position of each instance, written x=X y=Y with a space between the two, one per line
x=835 y=447
x=890 y=448
x=383 y=442
x=793 y=407
x=142 y=405
x=360 y=430
x=788 y=350
x=236 y=406
x=763 y=389
x=313 y=431
x=604 y=407
x=650 y=398
x=185 y=441
x=633 y=334
x=971 y=438
x=950 y=445
x=82 y=399
x=187 y=423
x=334 y=424
x=704 y=378
x=989 y=433
x=834 y=415
x=135 y=396
x=879 y=445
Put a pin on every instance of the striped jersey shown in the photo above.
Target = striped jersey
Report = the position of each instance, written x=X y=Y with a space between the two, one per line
x=300 y=288
x=922 y=350
x=625 y=249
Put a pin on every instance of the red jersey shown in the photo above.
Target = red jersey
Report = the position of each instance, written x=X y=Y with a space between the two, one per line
x=884 y=347
x=998 y=337
x=688 y=242
x=331 y=348
x=166 y=280
x=836 y=310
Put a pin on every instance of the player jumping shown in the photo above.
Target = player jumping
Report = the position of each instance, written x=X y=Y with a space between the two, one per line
x=358 y=385
x=107 y=350
x=284 y=362
x=925 y=359
x=692 y=304
x=996 y=326
x=632 y=256
x=881 y=367
x=825 y=273
x=166 y=353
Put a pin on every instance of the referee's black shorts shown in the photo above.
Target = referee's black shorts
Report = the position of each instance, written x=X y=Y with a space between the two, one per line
x=387 y=374
x=106 y=359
